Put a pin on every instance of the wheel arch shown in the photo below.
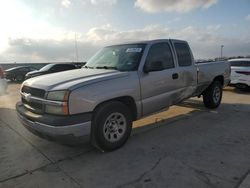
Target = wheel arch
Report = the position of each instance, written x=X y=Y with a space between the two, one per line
x=127 y=100
x=219 y=78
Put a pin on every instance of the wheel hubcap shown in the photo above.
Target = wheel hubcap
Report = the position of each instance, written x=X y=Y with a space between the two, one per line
x=216 y=94
x=114 y=127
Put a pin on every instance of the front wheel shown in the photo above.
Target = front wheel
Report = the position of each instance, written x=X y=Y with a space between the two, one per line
x=213 y=95
x=112 y=125
x=241 y=86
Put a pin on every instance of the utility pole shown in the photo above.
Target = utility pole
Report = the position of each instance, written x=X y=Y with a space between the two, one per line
x=221 y=51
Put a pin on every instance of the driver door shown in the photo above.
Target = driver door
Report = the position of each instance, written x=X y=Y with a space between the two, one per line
x=159 y=85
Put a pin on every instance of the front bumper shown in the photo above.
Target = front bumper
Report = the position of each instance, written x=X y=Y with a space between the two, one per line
x=73 y=128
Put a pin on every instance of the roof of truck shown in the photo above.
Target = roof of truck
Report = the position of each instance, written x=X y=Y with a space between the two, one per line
x=148 y=41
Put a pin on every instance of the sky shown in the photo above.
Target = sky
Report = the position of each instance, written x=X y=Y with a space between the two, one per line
x=52 y=30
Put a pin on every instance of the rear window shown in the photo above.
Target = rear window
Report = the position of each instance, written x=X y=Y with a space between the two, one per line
x=183 y=54
x=160 y=52
x=240 y=63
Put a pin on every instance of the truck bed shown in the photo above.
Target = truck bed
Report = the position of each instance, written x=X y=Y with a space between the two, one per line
x=206 y=72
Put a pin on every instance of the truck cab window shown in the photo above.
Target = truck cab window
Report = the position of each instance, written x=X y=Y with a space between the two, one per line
x=183 y=54
x=160 y=52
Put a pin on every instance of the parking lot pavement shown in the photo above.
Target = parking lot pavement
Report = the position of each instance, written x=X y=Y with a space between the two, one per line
x=186 y=146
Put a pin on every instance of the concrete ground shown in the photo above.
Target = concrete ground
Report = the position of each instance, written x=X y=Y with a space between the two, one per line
x=186 y=146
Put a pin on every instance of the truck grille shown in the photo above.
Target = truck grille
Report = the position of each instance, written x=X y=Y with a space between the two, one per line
x=33 y=106
x=33 y=91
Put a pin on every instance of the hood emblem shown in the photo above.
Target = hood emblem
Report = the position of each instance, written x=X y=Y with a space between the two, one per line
x=27 y=97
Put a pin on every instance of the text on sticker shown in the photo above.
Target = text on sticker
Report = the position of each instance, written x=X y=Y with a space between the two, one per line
x=134 y=50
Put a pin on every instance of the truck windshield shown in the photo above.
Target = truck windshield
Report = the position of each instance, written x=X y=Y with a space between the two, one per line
x=120 y=57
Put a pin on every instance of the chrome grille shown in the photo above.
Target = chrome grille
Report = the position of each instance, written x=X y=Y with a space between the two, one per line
x=33 y=106
x=33 y=91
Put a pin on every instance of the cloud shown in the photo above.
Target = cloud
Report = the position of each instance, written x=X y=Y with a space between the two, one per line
x=181 y=6
x=109 y=2
x=66 y=3
x=108 y=35
x=248 y=17
x=42 y=50
x=205 y=43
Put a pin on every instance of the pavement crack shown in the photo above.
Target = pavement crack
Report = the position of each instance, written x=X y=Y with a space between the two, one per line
x=143 y=174
x=198 y=171
x=213 y=175
x=44 y=166
x=204 y=176
x=70 y=177
x=242 y=179
x=24 y=173
x=74 y=156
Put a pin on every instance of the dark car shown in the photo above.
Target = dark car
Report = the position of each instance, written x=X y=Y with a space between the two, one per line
x=18 y=73
x=50 y=68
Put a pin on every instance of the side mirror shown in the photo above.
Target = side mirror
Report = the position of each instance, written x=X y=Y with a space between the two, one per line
x=153 y=66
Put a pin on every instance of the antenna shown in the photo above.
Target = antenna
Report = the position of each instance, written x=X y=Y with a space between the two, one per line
x=76 y=48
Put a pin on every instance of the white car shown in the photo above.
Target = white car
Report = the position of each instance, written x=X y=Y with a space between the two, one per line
x=240 y=73
x=3 y=82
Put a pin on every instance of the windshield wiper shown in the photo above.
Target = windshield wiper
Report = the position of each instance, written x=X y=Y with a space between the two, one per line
x=106 y=67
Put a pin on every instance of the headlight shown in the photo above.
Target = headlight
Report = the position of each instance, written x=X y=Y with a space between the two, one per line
x=62 y=107
x=58 y=95
x=58 y=110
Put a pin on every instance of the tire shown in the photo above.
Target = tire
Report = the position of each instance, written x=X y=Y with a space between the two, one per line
x=19 y=78
x=213 y=95
x=241 y=86
x=111 y=125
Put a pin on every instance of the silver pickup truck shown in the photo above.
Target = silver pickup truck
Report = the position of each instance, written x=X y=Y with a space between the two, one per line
x=120 y=84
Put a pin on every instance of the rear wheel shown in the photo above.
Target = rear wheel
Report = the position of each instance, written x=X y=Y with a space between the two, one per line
x=112 y=124
x=213 y=94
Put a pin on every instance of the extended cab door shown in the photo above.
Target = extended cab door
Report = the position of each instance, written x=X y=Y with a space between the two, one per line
x=160 y=79
x=186 y=68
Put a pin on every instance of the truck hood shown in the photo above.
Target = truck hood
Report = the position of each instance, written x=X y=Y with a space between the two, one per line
x=69 y=80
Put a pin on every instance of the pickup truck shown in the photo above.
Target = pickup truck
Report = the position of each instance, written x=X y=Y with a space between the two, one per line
x=120 y=84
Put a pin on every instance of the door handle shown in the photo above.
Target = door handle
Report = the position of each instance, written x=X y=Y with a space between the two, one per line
x=175 y=76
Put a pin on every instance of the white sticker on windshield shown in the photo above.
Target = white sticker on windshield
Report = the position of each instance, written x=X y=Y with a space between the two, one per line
x=134 y=50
